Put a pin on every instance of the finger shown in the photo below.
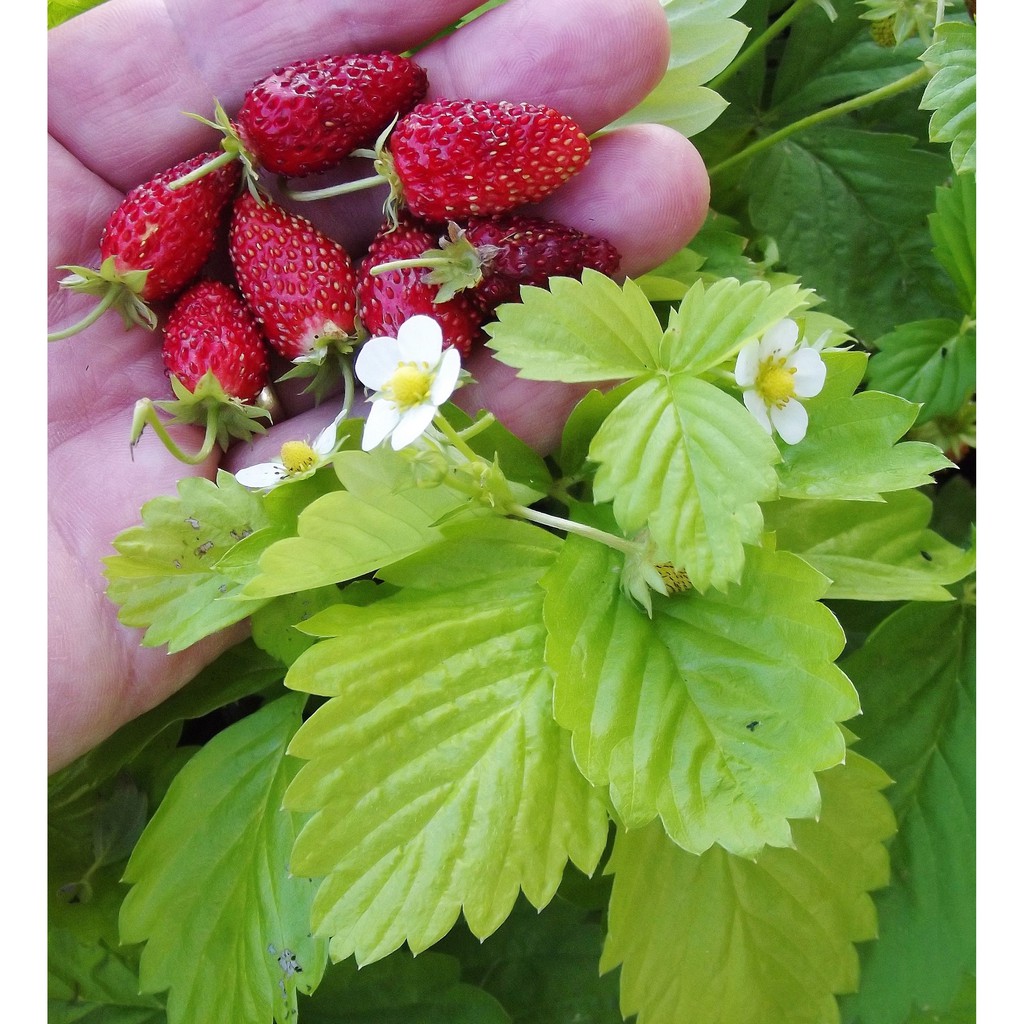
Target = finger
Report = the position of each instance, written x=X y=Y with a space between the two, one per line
x=121 y=75
x=645 y=189
x=590 y=59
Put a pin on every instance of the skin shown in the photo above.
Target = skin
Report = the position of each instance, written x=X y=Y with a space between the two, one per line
x=116 y=119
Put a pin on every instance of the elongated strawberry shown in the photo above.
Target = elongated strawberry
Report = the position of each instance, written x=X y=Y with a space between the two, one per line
x=493 y=257
x=309 y=115
x=299 y=282
x=217 y=362
x=154 y=244
x=387 y=300
x=453 y=159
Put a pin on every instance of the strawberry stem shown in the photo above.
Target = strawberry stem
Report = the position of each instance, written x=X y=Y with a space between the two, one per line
x=203 y=169
x=412 y=262
x=145 y=414
x=109 y=298
x=333 y=190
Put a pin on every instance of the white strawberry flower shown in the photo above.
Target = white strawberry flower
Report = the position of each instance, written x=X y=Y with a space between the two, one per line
x=298 y=460
x=774 y=372
x=412 y=377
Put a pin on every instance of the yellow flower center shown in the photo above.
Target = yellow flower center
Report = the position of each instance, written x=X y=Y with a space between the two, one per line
x=409 y=385
x=775 y=381
x=297 y=457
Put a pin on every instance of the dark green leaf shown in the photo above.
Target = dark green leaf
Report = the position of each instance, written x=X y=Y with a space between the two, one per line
x=400 y=989
x=929 y=362
x=847 y=209
x=915 y=675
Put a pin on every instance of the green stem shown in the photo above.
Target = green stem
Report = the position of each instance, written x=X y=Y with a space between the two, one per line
x=857 y=103
x=334 y=190
x=109 y=298
x=349 y=385
x=455 y=438
x=478 y=427
x=776 y=28
x=203 y=169
x=568 y=526
x=411 y=263
x=145 y=414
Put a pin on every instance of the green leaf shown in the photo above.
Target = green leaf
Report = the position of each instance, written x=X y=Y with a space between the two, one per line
x=582 y=423
x=164 y=574
x=954 y=231
x=916 y=677
x=704 y=41
x=850 y=450
x=713 y=714
x=719 y=939
x=95 y=984
x=872 y=551
x=437 y=779
x=586 y=330
x=683 y=459
x=964 y=1009
x=275 y=625
x=930 y=362
x=90 y=979
x=401 y=989
x=381 y=517
x=226 y=924
x=952 y=92
x=713 y=323
x=846 y=208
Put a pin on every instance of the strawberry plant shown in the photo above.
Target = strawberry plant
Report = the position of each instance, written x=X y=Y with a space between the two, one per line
x=671 y=719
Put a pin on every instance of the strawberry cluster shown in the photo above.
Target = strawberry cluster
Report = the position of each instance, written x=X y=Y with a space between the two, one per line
x=454 y=243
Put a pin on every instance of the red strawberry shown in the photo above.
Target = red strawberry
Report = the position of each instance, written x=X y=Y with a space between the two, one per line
x=387 y=300
x=452 y=159
x=299 y=282
x=309 y=115
x=217 y=361
x=493 y=257
x=211 y=328
x=154 y=243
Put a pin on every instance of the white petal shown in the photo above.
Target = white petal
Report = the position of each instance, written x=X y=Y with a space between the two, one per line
x=790 y=421
x=780 y=338
x=809 y=378
x=747 y=363
x=263 y=474
x=376 y=362
x=756 y=406
x=446 y=377
x=327 y=437
x=412 y=424
x=383 y=418
x=419 y=340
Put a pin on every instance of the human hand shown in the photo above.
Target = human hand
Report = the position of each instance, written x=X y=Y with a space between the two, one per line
x=120 y=77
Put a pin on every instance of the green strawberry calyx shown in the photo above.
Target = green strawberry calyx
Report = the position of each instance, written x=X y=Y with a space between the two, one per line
x=233 y=149
x=209 y=406
x=454 y=266
x=117 y=289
